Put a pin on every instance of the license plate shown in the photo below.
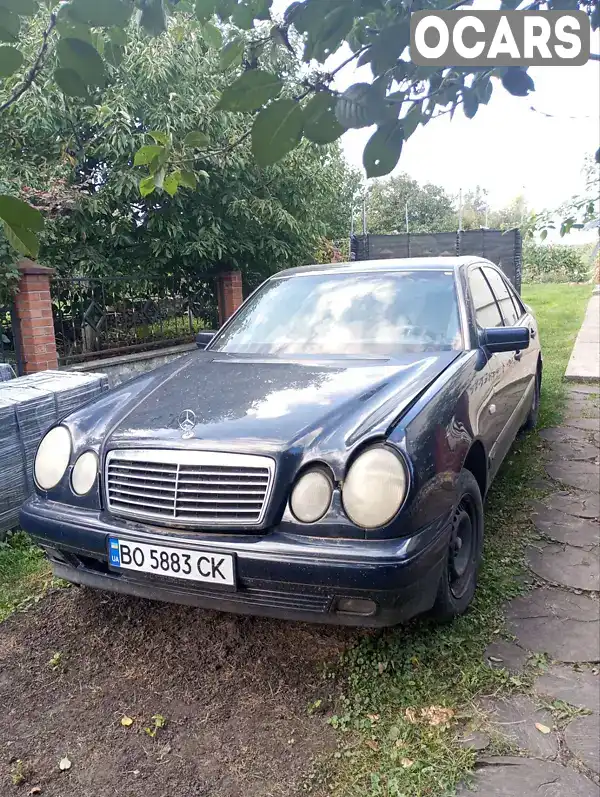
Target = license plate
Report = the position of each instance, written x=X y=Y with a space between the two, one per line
x=174 y=562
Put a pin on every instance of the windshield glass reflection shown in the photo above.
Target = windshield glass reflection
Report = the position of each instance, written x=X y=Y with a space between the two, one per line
x=368 y=314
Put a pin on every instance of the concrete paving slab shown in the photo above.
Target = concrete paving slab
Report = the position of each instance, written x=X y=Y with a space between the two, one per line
x=580 y=688
x=584 y=364
x=582 y=737
x=504 y=776
x=576 y=568
x=514 y=719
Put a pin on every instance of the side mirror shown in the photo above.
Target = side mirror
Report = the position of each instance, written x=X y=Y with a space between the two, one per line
x=204 y=338
x=497 y=339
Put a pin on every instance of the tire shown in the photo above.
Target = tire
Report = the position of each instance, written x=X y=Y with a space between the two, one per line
x=532 y=418
x=465 y=544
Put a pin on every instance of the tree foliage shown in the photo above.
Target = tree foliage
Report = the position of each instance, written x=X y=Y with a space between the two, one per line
x=429 y=207
x=82 y=42
x=208 y=204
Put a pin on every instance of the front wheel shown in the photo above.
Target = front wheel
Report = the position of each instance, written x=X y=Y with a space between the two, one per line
x=459 y=576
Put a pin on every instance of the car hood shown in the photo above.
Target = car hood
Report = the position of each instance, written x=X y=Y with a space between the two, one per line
x=248 y=404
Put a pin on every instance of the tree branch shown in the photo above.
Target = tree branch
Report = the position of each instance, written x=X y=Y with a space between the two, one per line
x=37 y=67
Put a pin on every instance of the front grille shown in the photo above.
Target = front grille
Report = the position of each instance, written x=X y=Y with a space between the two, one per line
x=188 y=488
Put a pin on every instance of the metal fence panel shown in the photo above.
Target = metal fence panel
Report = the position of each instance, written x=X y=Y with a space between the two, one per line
x=102 y=317
x=502 y=248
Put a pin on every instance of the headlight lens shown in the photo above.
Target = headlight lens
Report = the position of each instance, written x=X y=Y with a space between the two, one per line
x=84 y=473
x=374 y=488
x=52 y=458
x=311 y=496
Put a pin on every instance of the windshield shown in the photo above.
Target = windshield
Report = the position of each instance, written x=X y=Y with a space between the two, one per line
x=368 y=314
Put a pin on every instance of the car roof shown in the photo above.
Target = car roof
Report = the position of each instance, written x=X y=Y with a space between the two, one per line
x=389 y=264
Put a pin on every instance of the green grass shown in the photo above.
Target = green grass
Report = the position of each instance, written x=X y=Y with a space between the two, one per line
x=24 y=573
x=384 y=753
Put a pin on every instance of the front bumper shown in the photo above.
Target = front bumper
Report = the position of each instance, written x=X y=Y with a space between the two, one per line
x=278 y=574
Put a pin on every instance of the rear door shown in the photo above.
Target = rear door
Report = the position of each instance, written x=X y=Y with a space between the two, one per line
x=521 y=376
x=495 y=407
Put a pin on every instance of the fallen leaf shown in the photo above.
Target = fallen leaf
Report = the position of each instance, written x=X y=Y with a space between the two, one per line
x=35 y=790
x=542 y=728
x=406 y=762
x=400 y=743
x=126 y=721
x=495 y=659
x=372 y=744
x=437 y=715
x=381 y=667
x=373 y=717
x=64 y=764
x=411 y=715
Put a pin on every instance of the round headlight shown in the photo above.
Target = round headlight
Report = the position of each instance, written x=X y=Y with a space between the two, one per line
x=374 y=488
x=84 y=473
x=311 y=496
x=52 y=458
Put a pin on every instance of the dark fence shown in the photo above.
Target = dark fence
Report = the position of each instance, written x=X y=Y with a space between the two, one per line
x=9 y=344
x=502 y=248
x=106 y=317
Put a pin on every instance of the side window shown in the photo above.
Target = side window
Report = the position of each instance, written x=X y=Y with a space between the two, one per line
x=503 y=296
x=486 y=308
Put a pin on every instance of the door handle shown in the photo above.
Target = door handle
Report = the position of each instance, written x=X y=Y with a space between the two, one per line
x=518 y=355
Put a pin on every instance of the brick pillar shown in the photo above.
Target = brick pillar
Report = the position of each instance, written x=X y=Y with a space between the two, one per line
x=34 y=313
x=229 y=294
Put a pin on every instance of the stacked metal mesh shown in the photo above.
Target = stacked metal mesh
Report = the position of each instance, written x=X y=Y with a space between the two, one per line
x=28 y=407
x=6 y=372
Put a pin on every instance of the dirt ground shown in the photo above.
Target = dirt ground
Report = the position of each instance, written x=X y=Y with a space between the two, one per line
x=233 y=690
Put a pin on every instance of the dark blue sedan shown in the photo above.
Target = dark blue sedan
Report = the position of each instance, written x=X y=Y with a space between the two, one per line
x=325 y=457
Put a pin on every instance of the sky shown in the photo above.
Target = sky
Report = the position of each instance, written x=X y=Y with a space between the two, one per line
x=507 y=148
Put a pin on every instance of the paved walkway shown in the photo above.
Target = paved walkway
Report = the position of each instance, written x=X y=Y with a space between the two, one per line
x=555 y=753
x=584 y=364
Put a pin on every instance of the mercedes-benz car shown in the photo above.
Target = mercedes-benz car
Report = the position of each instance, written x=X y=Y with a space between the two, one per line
x=323 y=457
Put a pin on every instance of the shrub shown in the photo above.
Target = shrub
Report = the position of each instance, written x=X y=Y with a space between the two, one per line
x=555 y=263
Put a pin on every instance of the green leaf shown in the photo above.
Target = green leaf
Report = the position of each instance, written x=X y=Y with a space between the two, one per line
x=484 y=90
x=196 y=139
x=411 y=121
x=10 y=60
x=70 y=83
x=516 y=81
x=118 y=37
x=25 y=8
x=389 y=46
x=382 y=151
x=17 y=213
x=146 y=154
x=159 y=177
x=205 y=9
x=113 y=53
x=100 y=13
x=361 y=106
x=544 y=235
x=232 y=54
x=243 y=17
x=146 y=185
x=212 y=36
x=10 y=24
x=23 y=240
x=250 y=91
x=82 y=58
x=187 y=178
x=276 y=131
x=171 y=183
x=154 y=17
x=159 y=137
x=320 y=123
x=470 y=103
x=69 y=29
